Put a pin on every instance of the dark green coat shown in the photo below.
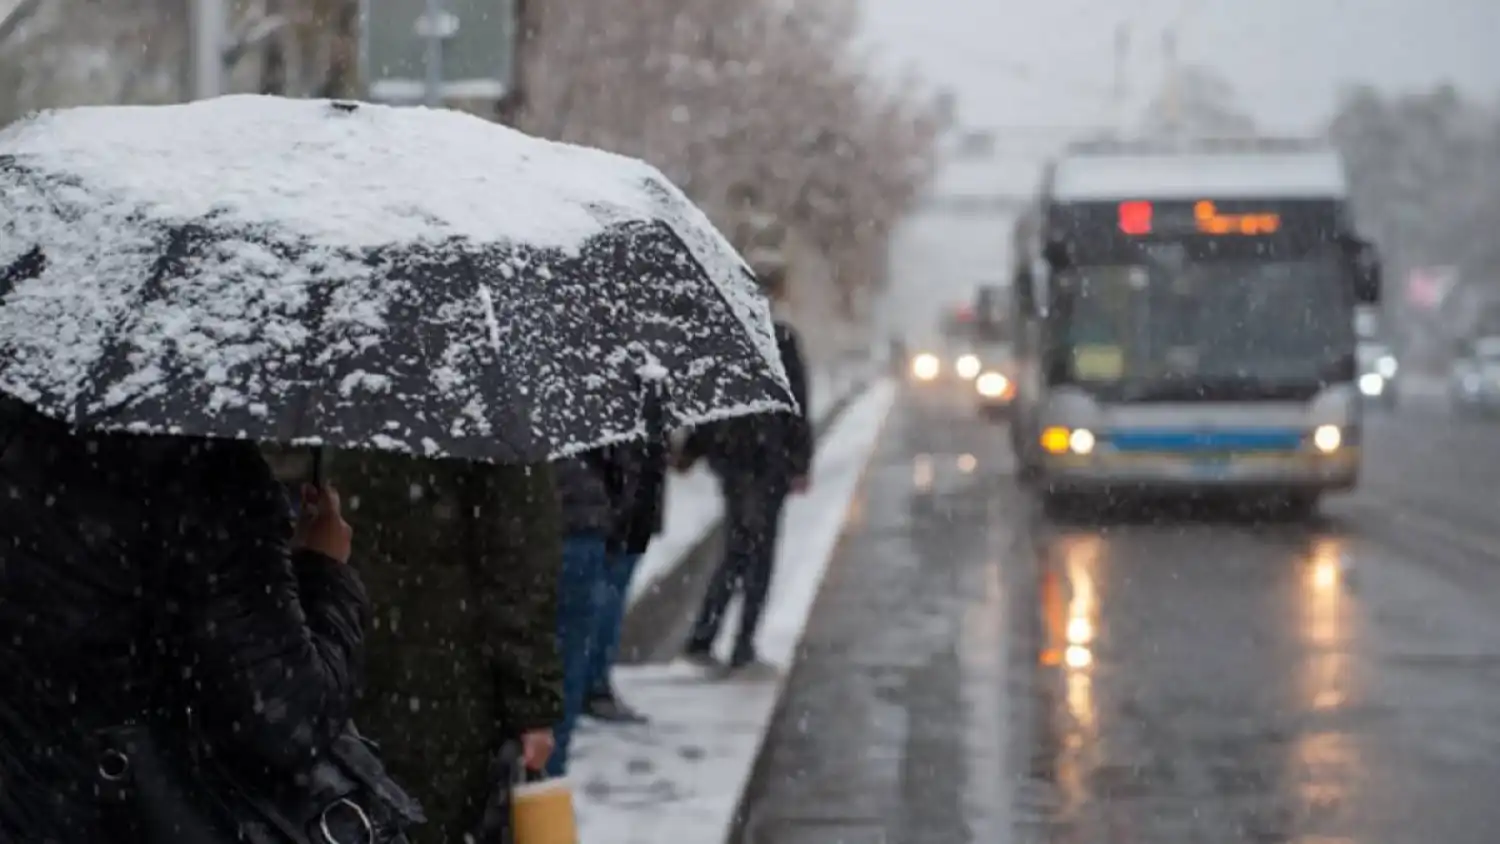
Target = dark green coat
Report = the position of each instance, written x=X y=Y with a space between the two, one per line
x=461 y=562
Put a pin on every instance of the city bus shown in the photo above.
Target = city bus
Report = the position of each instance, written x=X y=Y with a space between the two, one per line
x=1184 y=321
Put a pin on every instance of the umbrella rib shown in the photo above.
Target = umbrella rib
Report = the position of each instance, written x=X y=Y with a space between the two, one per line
x=177 y=240
x=28 y=266
x=492 y=324
x=322 y=301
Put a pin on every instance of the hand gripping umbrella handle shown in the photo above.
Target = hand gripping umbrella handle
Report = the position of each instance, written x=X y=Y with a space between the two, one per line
x=654 y=412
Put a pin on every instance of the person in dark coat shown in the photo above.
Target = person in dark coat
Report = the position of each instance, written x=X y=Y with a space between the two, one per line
x=759 y=460
x=635 y=478
x=462 y=561
x=102 y=534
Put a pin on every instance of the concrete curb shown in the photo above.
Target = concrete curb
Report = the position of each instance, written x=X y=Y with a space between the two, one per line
x=744 y=824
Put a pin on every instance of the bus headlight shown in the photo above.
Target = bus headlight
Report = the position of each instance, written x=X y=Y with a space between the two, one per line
x=967 y=367
x=1079 y=441
x=1372 y=383
x=925 y=366
x=1327 y=438
x=1386 y=366
x=992 y=385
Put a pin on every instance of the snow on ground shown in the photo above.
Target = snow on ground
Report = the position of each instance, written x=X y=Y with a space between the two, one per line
x=694 y=505
x=680 y=778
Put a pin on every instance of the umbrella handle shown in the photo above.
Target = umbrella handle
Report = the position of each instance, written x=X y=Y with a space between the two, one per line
x=654 y=412
x=317 y=467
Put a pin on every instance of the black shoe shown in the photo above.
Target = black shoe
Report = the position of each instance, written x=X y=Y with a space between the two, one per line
x=700 y=657
x=609 y=708
x=748 y=667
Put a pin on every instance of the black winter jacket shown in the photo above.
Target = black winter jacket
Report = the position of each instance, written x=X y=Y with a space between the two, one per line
x=617 y=492
x=583 y=493
x=98 y=534
x=776 y=444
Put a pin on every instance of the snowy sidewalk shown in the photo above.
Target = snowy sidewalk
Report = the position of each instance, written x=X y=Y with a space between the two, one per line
x=680 y=778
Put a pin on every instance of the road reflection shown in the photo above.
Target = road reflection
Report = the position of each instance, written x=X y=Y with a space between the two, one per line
x=1326 y=764
x=922 y=473
x=1070 y=612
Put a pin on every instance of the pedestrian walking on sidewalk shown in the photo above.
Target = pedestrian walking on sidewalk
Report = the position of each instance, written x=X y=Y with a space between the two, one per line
x=759 y=460
x=635 y=476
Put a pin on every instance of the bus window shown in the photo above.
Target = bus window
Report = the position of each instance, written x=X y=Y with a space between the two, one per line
x=1212 y=319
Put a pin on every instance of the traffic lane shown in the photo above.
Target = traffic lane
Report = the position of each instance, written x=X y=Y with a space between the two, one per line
x=1257 y=682
x=1428 y=488
x=892 y=728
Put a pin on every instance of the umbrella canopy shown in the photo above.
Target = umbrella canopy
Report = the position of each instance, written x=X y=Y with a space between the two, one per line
x=315 y=272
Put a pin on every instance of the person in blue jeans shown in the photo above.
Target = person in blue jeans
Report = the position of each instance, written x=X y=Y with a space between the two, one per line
x=636 y=477
x=603 y=702
x=611 y=506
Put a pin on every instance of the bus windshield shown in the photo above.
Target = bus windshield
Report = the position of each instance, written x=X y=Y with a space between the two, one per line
x=1244 y=327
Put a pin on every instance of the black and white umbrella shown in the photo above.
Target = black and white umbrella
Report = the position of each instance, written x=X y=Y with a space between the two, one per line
x=315 y=272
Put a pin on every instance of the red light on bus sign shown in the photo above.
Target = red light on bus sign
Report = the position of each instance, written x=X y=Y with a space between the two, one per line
x=1135 y=217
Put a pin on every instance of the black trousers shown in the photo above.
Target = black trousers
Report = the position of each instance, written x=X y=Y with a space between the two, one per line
x=752 y=521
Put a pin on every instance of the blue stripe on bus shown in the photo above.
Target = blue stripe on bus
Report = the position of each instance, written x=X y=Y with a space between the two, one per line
x=1226 y=439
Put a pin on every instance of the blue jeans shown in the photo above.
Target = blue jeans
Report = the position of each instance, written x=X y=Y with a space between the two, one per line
x=578 y=594
x=619 y=567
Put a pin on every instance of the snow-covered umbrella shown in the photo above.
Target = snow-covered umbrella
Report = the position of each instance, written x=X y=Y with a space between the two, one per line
x=359 y=276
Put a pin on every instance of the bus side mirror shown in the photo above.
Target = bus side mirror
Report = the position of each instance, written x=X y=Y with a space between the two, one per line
x=1023 y=287
x=1365 y=259
x=1055 y=253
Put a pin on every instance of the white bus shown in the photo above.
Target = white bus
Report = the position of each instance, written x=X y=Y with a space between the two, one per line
x=1185 y=322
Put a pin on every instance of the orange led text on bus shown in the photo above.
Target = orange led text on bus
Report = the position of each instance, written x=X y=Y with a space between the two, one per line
x=1210 y=221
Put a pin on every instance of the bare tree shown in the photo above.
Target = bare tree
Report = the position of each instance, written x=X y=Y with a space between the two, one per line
x=754 y=106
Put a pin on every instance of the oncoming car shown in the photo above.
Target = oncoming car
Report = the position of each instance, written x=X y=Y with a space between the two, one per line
x=995 y=387
x=934 y=363
x=1377 y=374
x=1474 y=379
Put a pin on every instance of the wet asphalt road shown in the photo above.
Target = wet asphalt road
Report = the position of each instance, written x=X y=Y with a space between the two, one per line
x=976 y=673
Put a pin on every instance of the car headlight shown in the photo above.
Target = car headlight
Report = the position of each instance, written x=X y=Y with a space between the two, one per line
x=926 y=366
x=967 y=367
x=1386 y=366
x=1372 y=383
x=992 y=385
x=1327 y=438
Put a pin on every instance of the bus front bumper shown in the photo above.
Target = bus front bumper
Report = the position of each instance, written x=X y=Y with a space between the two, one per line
x=1296 y=471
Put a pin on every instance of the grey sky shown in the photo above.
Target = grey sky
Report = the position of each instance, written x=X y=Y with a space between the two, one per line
x=1050 y=62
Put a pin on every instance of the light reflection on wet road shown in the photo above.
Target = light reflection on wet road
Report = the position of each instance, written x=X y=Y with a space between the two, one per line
x=1211 y=681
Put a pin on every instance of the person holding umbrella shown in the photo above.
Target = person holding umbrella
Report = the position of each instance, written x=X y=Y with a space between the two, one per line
x=106 y=537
